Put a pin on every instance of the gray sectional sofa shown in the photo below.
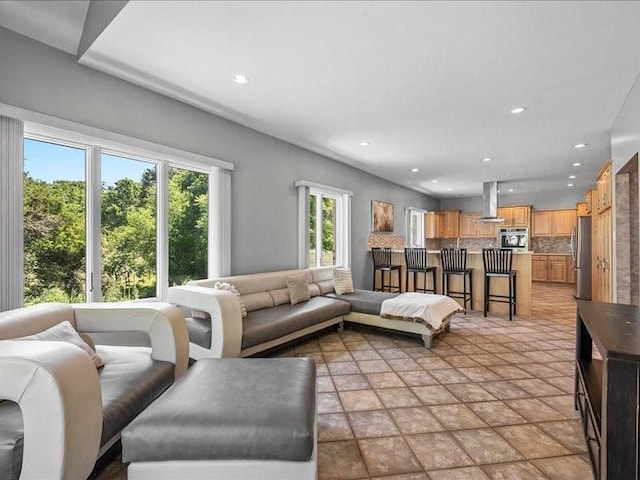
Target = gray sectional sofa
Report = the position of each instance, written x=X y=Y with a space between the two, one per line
x=217 y=329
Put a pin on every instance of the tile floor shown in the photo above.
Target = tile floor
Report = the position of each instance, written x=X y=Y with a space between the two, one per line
x=491 y=400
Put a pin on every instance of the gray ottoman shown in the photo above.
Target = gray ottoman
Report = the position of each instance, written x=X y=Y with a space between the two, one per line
x=231 y=418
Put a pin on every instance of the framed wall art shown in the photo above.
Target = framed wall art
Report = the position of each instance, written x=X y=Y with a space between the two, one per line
x=381 y=216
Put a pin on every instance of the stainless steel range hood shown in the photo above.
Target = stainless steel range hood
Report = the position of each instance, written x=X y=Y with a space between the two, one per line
x=490 y=204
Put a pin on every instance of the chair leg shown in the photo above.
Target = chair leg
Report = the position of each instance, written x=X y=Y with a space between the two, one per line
x=486 y=294
x=515 y=294
x=510 y=298
x=433 y=277
x=470 y=292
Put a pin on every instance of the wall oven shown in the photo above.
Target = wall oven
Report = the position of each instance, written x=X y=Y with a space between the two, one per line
x=515 y=238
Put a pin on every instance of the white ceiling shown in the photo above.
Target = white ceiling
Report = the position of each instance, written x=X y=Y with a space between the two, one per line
x=428 y=84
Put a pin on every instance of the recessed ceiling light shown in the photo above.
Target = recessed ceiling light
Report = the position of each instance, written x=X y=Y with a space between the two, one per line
x=364 y=144
x=517 y=110
x=572 y=177
x=414 y=170
x=486 y=159
x=569 y=184
x=434 y=180
x=241 y=79
x=580 y=145
x=511 y=189
x=576 y=164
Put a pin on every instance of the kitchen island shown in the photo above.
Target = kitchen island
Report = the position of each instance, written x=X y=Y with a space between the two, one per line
x=521 y=264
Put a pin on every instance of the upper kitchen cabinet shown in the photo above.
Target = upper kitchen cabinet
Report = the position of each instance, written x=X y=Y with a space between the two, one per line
x=553 y=223
x=433 y=225
x=603 y=188
x=590 y=198
x=518 y=216
x=581 y=208
x=470 y=229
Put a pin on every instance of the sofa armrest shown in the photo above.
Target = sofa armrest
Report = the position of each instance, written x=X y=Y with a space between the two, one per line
x=56 y=386
x=163 y=322
x=224 y=310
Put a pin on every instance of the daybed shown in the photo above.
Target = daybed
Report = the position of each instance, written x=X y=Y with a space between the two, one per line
x=217 y=329
x=58 y=412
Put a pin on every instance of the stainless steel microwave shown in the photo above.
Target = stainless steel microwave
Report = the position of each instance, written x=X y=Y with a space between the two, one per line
x=516 y=238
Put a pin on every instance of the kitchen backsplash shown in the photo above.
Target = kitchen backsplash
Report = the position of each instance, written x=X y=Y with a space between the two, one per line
x=472 y=244
x=551 y=244
x=385 y=240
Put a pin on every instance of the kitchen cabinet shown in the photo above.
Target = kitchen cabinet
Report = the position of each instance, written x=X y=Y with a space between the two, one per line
x=603 y=188
x=433 y=225
x=517 y=216
x=601 y=277
x=451 y=223
x=539 y=268
x=590 y=197
x=552 y=268
x=581 y=209
x=470 y=229
x=553 y=223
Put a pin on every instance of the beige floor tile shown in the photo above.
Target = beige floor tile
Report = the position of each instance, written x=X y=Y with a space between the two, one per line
x=466 y=473
x=513 y=471
x=403 y=364
x=488 y=359
x=496 y=413
x=329 y=403
x=510 y=372
x=358 y=400
x=460 y=361
x=388 y=456
x=504 y=390
x=434 y=395
x=333 y=426
x=432 y=363
x=345 y=383
x=373 y=366
x=537 y=387
x=389 y=353
x=564 y=383
x=470 y=392
x=365 y=355
x=531 y=441
x=325 y=384
x=418 y=378
x=437 y=451
x=414 y=420
x=398 y=397
x=479 y=374
x=573 y=467
x=343 y=356
x=372 y=423
x=563 y=404
x=486 y=446
x=456 y=417
x=385 y=380
x=448 y=376
x=568 y=433
x=404 y=476
x=340 y=461
x=540 y=370
x=534 y=410
x=343 y=368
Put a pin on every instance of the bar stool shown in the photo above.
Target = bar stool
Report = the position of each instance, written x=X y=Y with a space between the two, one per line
x=454 y=262
x=382 y=263
x=415 y=260
x=497 y=263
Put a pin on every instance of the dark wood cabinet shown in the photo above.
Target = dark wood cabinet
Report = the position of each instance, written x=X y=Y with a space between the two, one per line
x=606 y=392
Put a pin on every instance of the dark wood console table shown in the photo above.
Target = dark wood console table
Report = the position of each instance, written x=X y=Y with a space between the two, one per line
x=607 y=388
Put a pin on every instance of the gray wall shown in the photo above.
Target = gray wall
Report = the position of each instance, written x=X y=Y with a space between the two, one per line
x=264 y=231
x=539 y=201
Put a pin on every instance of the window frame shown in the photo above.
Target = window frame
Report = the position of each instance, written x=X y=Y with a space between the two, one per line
x=219 y=198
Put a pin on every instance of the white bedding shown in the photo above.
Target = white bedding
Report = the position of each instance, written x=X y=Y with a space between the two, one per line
x=429 y=309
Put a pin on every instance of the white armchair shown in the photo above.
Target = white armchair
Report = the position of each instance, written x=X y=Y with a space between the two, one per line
x=57 y=386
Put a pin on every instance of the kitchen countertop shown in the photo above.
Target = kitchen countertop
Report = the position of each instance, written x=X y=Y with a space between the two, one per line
x=478 y=252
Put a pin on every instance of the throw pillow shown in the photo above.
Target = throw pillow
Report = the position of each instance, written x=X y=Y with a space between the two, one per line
x=342 y=281
x=64 y=332
x=230 y=288
x=298 y=288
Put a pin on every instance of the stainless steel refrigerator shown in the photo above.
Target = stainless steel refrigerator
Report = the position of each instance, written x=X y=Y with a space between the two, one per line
x=581 y=253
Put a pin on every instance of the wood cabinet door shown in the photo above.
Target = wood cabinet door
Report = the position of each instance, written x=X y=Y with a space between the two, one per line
x=557 y=266
x=571 y=273
x=606 y=256
x=563 y=222
x=520 y=216
x=539 y=269
x=451 y=224
x=604 y=188
x=439 y=225
x=468 y=227
x=430 y=225
x=581 y=209
x=541 y=224
x=507 y=214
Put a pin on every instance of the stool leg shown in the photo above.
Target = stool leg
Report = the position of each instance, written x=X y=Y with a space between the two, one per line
x=374 y=280
x=406 y=281
x=433 y=275
x=486 y=294
x=510 y=298
x=470 y=292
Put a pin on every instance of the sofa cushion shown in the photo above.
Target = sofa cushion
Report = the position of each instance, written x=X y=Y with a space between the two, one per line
x=199 y=331
x=230 y=409
x=256 y=301
x=280 y=296
x=270 y=323
x=314 y=290
x=342 y=281
x=298 y=288
x=364 y=301
x=129 y=382
x=11 y=440
x=325 y=286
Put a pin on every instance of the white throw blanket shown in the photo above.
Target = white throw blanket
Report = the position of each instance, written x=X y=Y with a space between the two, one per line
x=427 y=308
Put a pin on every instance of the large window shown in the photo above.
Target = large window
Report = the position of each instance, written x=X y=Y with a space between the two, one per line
x=415 y=227
x=54 y=222
x=324 y=235
x=110 y=225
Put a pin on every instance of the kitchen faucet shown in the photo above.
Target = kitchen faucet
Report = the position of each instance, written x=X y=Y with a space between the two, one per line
x=458 y=243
